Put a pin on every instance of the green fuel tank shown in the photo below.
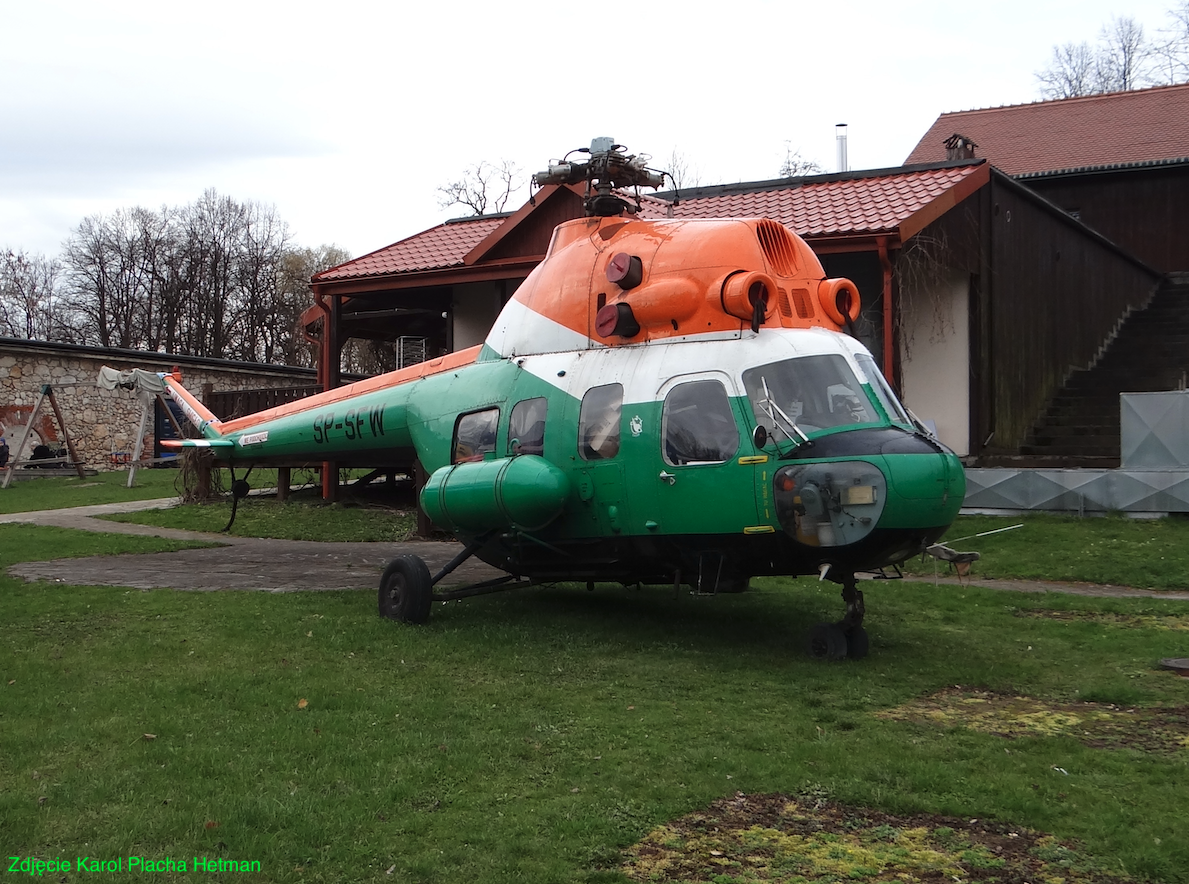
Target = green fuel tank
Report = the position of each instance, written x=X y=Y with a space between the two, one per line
x=526 y=492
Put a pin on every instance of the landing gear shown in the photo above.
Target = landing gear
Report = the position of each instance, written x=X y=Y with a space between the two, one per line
x=827 y=641
x=406 y=590
x=847 y=637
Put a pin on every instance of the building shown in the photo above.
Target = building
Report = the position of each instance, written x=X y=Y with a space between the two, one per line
x=1118 y=162
x=951 y=259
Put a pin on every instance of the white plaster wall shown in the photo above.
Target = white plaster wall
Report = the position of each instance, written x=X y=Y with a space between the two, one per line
x=476 y=306
x=935 y=358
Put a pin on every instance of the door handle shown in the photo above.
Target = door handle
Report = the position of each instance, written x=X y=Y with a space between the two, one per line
x=667 y=477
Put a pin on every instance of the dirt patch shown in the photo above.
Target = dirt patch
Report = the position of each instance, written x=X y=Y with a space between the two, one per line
x=1163 y=730
x=1172 y=622
x=778 y=838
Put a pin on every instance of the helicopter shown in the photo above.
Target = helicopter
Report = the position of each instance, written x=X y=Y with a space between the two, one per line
x=676 y=401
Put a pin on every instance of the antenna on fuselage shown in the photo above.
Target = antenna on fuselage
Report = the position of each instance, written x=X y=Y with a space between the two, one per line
x=609 y=168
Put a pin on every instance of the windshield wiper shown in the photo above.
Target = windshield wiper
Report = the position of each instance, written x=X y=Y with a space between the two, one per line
x=772 y=410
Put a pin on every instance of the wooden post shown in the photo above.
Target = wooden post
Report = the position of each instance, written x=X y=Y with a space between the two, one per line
x=12 y=461
x=78 y=466
x=202 y=472
x=47 y=392
x=283 y=478
x=138 y=450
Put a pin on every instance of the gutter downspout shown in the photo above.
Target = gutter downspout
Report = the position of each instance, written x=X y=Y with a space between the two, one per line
x=889 y=363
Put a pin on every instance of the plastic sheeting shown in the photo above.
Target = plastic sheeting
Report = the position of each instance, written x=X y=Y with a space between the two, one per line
x=137 y=379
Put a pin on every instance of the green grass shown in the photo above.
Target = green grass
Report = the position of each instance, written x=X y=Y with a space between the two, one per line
x=359 y=517
x=58 y=489
x=534 y=736
x=1146 y=553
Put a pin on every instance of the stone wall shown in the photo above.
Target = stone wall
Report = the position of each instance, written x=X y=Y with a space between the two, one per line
x=100 y=421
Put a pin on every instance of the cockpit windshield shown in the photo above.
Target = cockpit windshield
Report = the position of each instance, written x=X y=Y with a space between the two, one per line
x=797 y=397
x=881 y=389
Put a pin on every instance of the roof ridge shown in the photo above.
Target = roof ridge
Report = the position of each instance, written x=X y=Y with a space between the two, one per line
x=1097 y=96
x=771 y=184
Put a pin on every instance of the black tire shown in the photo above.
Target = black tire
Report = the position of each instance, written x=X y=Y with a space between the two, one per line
x=827 y=641
x=857 y=643
x=733 y=585
x=406 y=590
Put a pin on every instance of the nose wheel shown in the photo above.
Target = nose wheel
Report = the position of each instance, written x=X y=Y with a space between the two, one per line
x=847 y=637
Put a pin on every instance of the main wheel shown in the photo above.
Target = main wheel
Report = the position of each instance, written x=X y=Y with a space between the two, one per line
x=406 y=590
x=734 y=585
x=827 y=641
x=857 y=643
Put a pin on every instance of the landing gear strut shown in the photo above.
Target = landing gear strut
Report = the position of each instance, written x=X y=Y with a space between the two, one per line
x=407 y=590
x=847 y=637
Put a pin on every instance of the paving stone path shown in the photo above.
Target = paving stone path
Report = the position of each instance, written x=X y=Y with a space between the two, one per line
x=239 y=563
x=301 y=565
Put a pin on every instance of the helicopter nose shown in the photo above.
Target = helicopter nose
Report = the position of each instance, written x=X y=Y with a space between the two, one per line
x=931 y=486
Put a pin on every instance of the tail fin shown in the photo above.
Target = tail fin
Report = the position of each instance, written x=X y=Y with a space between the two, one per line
x=198 y=414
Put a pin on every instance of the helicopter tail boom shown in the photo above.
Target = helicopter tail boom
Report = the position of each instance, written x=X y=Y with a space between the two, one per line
x=349 y=422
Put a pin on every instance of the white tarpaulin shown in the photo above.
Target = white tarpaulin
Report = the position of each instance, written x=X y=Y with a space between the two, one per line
x=141 y=381
x=148 y=387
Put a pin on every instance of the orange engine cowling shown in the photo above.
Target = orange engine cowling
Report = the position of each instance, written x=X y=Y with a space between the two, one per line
x=840 y=300
x=742 y=291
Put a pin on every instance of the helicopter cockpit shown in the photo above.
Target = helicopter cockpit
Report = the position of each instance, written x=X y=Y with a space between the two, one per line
x=795 y=397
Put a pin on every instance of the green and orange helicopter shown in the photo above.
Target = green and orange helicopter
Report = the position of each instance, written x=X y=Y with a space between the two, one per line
x=668 y=401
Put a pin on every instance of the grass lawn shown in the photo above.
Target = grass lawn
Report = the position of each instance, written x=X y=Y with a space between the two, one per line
x=364 y=515
x=536 y=736
x=1145 y=553
x=57 y=489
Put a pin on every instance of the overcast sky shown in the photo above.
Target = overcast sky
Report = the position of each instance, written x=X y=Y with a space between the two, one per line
x=348 y=116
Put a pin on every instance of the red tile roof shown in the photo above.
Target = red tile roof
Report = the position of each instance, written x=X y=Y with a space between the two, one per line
x=434 y=249
x=1096 y=130
x=862 y=203
x=869 y=203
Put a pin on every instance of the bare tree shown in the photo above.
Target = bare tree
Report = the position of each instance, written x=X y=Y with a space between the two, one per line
x=1071 y=72
x=297 y=266
x=681 y=172
x=1125 y=56
x=1122 y=59
x=203 y=279
x=482 y=186
x=795 y=165
x=111 y=278
x=1172 y=50
x=30 y=303
x=258 y=307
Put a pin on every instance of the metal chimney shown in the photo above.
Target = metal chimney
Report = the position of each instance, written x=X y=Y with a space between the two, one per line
x=840 y=138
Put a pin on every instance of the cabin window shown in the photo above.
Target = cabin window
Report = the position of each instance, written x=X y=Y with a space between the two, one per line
x=474 y=435
x=598 y=422
x=809 y=393
x=698 y=425
x=526 y=427
x=883 y=392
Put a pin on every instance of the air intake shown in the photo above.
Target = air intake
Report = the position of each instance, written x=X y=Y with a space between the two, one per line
x=778 y=246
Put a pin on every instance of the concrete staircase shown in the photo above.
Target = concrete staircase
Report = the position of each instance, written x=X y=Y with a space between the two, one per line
x=1080 y=428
